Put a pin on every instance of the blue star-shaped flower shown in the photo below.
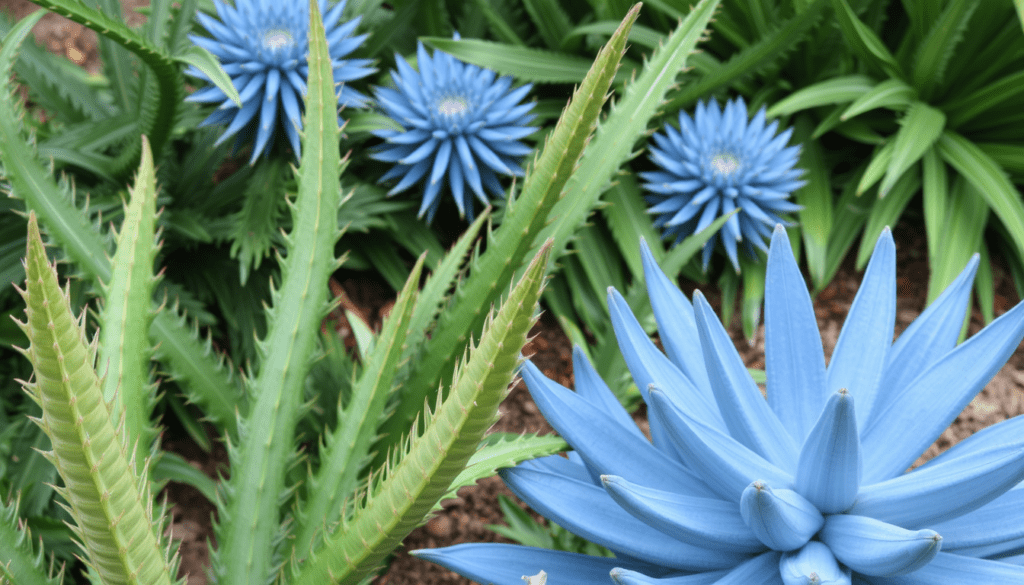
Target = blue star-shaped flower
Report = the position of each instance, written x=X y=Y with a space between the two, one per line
x=460 y=125
x=807 y=486
x=715 y=163
x=263 y=45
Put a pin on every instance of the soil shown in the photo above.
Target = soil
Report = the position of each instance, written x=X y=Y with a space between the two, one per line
x=466 y=518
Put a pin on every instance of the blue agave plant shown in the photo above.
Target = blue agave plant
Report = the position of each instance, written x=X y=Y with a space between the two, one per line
x=262 y=45
x=460 y=125
x=808 y=486
x=715 y=163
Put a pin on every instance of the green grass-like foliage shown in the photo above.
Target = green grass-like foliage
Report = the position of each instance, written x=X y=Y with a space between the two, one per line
x=339 y=524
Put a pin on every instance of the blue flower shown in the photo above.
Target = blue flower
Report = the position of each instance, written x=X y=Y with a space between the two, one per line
x=263 y=45
x=716 y=163
x=460 y=126
x=808 y=486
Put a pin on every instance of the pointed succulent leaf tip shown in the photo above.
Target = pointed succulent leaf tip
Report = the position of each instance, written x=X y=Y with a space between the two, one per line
x=716 y=163
x=794 y=359
x=263 y=46
x=812 y=564
x=782 y=519
x=875 y=548
x=828 y=473
x=461 y=127
x=859 y=356
x=677 y=326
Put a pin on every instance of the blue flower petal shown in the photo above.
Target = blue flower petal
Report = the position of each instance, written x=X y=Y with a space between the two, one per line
x=794 y=359
x=590 y=386
x=762 y=570
x=626 y=577
x=995 y=529
x=876 y=548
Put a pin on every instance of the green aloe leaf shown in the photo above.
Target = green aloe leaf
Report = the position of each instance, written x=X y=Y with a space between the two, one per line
x=204 y=61
x=1007 y=90
x=551 y=20
x=749 y=59
x=500 y=450
x=346 y=449
x=816 y=199
x=877 y=167
x=412 y=484
x=837 y=90
x=119 y=534
x=124 y=322
x=20 y=564
x=935 y=203
x=628 y=220
x=961 y=235
x=864 y=41
x=893 y=94
x=165 y=71
x=249 y=531
x=936 y=49
x=523 y=63
x=886 y=211
x=989 y=180
x=919 y=129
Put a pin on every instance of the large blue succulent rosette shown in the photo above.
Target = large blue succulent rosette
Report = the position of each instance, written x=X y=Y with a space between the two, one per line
x=263 y=46
x=807 y=486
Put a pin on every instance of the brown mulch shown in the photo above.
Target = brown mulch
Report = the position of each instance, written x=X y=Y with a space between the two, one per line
x=465 y=519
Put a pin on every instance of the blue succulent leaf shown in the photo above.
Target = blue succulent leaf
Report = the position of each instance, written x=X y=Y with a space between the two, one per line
x=794 y=359
x=591 y=387
x=614 y=453
x=945 y=490
x=726 y=465
x=892 y=440
x=782 y=519
x=649 y=367
x=588 y=511
x=847 y=511
x=717 y=162
x=263 y=45
x=506 y=564
x=707 y=522
x=875 y=548
x=626 y=577
x=859 y=356
x=461 y=128
x=995 y=529
x=952 y=569
x=812 y=561
x=747 y=415
x=829 y=471
x=676 y=324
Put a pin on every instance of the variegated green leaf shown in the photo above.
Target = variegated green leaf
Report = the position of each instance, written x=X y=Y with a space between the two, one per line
x=837 y=90
x=886 y=211
x=893 y=94
x=919 y=129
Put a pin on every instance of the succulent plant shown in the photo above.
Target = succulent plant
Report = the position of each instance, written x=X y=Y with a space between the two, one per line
x=262 y=46
x=807 y=486
x=717 y=162
x=460 y=122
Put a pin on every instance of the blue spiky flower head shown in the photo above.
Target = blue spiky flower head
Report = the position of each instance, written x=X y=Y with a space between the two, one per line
x=808 y=486
x=715 y=163
x=263 y=46
x=461 y=125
